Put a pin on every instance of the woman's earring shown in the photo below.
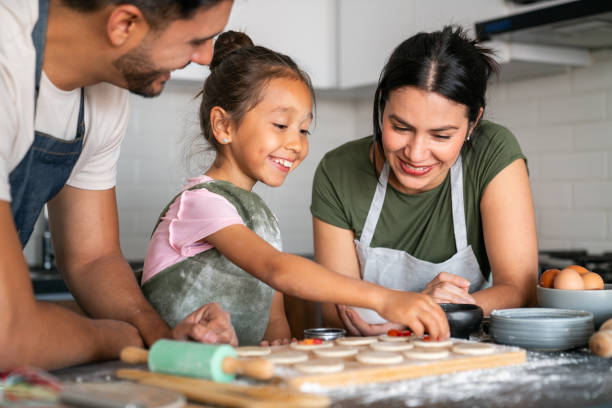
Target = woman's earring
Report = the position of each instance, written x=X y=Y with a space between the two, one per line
x=224 y=140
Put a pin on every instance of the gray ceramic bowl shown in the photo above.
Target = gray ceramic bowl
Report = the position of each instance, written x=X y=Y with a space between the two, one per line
x=598 y=302
x=541 y=328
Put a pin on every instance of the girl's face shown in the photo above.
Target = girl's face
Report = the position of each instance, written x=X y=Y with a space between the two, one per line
x=422 y=136
x=272 y=138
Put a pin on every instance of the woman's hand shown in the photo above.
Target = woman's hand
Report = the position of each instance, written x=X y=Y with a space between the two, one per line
x=449 y=288
x=419 y=312
x=356 y=326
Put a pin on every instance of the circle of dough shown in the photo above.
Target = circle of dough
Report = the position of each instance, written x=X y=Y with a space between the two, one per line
x=287 y=357
x=299 y=346
x=320 y=366
x=429 y=354
x=336 y=351
x=391 y=346
x=395 y=339
x=432 y=344
x=379 y=357
x=356 y=341
x=473 y=349
x=252 y=351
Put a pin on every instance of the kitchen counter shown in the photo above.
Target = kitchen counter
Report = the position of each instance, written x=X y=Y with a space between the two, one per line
x=556 y=379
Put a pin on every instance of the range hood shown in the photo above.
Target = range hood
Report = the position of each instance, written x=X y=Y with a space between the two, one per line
x=549 y=38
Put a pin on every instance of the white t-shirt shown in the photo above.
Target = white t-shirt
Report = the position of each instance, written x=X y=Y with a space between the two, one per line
x=106 y=108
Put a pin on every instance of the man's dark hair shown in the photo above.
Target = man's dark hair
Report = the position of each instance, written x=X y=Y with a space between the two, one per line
x=158 y=13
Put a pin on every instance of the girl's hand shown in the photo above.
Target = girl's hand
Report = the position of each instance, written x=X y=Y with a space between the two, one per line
x=277 y=342
x=449 y=288
x=356 y=326
x=419 y=312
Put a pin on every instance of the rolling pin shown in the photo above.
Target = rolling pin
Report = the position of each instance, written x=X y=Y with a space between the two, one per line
x=190 y=359
x=600 y=343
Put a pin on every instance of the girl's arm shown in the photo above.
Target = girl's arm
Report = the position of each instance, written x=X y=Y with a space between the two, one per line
x=278 y=326
x=510 y=237
x=297 y=276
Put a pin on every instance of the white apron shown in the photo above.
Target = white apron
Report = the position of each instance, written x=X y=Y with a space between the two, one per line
x=396 y=269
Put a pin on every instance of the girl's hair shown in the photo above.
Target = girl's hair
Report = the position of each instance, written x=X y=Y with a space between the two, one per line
x=239 y=71
x=446 y=62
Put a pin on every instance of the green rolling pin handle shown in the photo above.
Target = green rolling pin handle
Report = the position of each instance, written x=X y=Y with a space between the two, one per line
x=260 y=369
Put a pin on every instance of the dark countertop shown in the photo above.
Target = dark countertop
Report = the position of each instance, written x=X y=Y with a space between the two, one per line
x=556 y=380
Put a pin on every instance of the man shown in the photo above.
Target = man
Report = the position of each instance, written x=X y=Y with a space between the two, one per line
x=62 y=118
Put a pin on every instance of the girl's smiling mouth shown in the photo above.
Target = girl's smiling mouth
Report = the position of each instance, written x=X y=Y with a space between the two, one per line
x=282 y=164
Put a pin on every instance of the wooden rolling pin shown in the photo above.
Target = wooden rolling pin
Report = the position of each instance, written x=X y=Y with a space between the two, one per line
x=600 y=343
x=232 y=395
x=190 y=359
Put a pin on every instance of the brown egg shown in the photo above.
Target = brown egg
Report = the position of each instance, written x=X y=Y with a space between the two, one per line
x=592 y=281
x=580 y=269
x=548 y=277
x=568 y=279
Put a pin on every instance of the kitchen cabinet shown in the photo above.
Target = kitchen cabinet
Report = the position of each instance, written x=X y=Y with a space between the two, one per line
x=343 y=44
x=370 y=30
x=304 y=30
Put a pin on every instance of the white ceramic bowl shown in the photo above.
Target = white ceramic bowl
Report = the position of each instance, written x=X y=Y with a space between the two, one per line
x=598 y=302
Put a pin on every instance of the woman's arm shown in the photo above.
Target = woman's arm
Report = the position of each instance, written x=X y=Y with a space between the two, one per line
x=508 y=223
x=302 y=278
x=334 y=248
x=278 y=326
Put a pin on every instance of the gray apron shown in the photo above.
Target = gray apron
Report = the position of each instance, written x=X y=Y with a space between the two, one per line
x=209 y=276
x=396 y=269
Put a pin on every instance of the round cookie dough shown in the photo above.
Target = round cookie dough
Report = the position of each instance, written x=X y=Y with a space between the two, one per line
x=379 y=357
x=395 y=339
x=391 y=346
x=301 y=346
x=432 y=344
x=252 y=351
x=356 y=341
x=426 y=354
x=320 y=366
x=336 y=351
x=473 y=349
x=287 y=357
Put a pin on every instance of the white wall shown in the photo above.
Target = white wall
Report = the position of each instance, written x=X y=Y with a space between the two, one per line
x=564 y=125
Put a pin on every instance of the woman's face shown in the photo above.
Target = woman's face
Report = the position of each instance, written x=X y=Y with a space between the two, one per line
x=422 y=136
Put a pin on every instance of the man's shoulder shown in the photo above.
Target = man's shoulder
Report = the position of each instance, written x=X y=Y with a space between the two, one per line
x=17 y=17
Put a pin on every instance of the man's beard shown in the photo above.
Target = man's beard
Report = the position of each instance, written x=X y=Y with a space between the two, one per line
x=135 y=66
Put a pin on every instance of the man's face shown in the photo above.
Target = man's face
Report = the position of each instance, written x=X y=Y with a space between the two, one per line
x=147 y=67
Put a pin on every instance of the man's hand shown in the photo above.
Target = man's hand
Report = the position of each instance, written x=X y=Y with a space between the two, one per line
x=208 y=324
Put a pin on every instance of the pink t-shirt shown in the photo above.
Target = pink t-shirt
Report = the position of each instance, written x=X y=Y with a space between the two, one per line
x=194 y=215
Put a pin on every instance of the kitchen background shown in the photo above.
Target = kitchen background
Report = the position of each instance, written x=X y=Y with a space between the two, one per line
x=560 y=109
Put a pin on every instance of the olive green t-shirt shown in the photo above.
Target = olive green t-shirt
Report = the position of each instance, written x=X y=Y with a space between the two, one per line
x=420 y=224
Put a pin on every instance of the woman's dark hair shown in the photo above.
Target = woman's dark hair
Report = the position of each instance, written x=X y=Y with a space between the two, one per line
x=239 y=71
x=446 y=62
x=158 y=13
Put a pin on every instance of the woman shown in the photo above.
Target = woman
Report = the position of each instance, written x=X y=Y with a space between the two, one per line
x=439 y=202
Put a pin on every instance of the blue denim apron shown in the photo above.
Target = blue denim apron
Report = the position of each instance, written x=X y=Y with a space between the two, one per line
x=44 y=169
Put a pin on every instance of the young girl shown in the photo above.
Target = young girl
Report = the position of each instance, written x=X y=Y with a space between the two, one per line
x=218 y=242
